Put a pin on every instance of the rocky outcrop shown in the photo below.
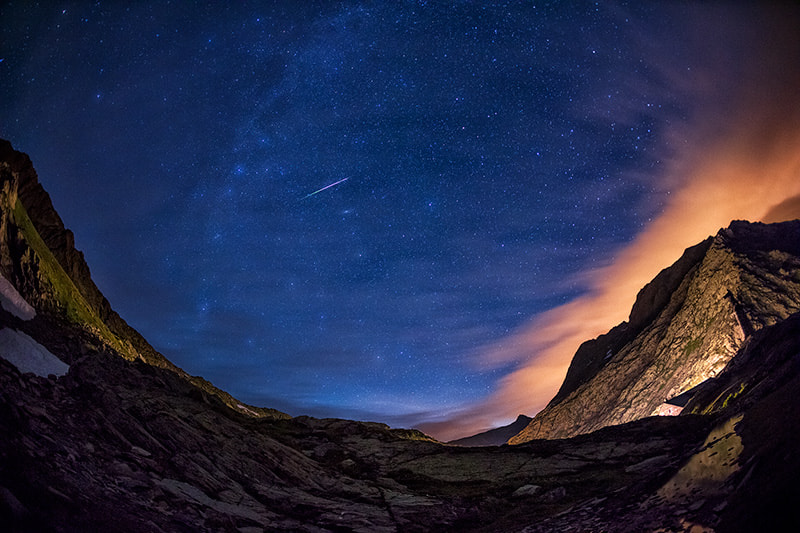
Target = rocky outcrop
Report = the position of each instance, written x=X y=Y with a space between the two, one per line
x=39 y=260
x=594 y=354
x=124 y=446
x=685 y=328
x=26 y=199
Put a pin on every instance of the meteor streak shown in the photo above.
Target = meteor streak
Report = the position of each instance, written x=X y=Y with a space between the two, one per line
x=325 y=187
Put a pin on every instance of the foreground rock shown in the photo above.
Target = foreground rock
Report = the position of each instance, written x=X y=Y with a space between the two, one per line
x=122 y=446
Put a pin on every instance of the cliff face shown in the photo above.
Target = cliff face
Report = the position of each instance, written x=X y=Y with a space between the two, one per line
x=38 y=258
x=652 y=299
x=685 y=327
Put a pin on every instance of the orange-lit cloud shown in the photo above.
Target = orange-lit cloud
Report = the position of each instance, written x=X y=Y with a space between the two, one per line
x=788 y=209
x=739 y=158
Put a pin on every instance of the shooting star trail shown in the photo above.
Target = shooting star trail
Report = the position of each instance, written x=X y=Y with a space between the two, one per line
x=325 y=187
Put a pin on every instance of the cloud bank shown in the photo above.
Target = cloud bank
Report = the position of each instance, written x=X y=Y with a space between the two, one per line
x=737 y=157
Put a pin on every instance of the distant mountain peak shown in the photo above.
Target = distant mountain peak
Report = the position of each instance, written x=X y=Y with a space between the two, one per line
x=496 y=436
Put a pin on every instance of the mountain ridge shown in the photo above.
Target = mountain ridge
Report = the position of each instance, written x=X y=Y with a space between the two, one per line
x=649 y=301
x=114 y=442
x=720 y=292
x=494 y=436
x=38 y=256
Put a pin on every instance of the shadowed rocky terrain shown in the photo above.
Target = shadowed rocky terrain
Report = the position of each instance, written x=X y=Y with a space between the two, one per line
x=122 y=440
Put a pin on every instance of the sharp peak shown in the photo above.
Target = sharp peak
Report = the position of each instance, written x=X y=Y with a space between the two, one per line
x=745 y=236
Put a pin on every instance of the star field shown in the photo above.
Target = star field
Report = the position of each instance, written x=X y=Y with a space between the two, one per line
x=487 y=154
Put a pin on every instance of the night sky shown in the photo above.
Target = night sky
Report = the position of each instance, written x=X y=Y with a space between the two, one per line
x=491 y=165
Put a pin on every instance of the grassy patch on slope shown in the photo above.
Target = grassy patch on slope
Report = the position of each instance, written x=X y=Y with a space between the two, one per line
x=67 y=295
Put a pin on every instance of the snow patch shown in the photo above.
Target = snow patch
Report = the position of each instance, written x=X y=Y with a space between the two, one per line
x=28 y=355
x=13 y=302
x=247 y=409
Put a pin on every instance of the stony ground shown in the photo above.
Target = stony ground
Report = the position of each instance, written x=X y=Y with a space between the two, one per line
x=123 y=446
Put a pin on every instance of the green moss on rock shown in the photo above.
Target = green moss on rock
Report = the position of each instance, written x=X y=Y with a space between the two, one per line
x=68 y=299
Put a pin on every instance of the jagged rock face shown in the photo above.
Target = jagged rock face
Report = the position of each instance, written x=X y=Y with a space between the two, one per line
x=720 y=292
x=594 y=354
x=38 y=257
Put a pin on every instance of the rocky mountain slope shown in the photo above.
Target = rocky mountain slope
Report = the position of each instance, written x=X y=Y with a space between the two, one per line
x=38 y=258
x=99 y=433
x=686 y=326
